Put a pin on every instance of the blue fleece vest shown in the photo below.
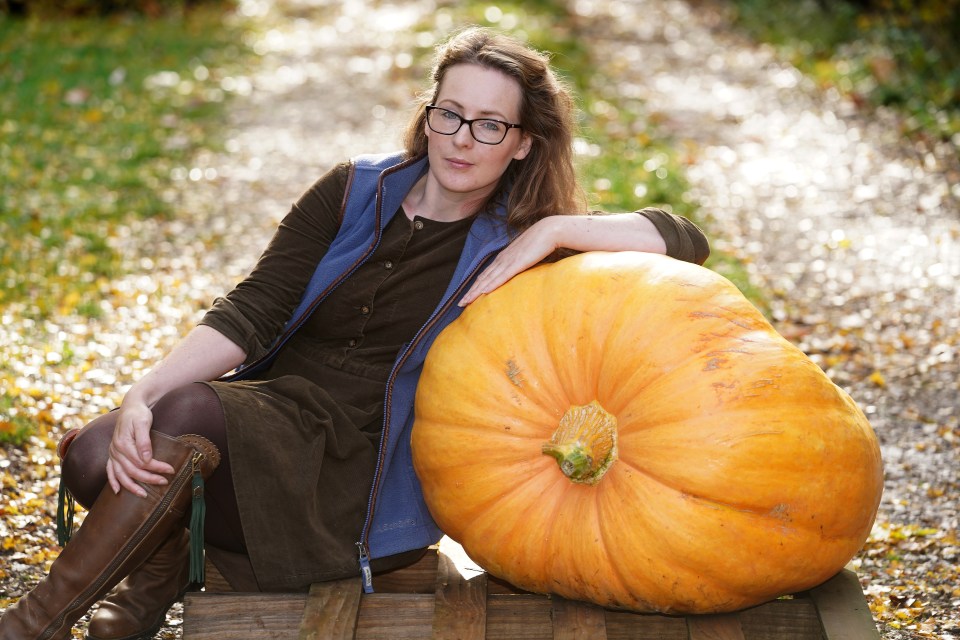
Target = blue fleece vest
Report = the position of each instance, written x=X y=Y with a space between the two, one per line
x=397 y=517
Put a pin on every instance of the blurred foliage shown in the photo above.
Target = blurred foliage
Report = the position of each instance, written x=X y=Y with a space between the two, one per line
x=15 y=428
x=95 y=114
x=51 y=9
x=899 y=53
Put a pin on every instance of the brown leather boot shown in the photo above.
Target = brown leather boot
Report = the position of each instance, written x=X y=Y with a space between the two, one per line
x=118 y=534
x=137 y=607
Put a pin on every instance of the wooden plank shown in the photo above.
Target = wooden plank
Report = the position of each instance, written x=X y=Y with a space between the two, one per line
x=519 y=617
x=789 y=619
x=242 y=616
x=460 y=605
x=724 y=626
x=429 y=598
x=395 y=616
x=419 y=577
x=843 y=609
x=624 y=625
x=330 y=612
x=574 y=620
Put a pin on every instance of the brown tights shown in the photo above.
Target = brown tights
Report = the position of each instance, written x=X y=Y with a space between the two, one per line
x=193 y=408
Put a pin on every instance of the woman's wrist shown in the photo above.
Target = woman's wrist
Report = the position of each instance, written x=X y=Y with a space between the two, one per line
x=141 y=393
x=560 y=231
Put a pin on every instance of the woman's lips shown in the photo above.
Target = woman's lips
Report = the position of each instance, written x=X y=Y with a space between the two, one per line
x=459 y=163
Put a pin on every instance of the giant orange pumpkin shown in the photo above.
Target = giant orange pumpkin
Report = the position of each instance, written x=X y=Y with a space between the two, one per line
x=627 y=429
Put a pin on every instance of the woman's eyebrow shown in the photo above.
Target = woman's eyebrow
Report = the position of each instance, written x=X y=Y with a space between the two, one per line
x=485 y=113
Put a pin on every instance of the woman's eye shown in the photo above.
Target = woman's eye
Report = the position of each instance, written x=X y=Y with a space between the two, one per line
x=449 y=115
x=490 y=125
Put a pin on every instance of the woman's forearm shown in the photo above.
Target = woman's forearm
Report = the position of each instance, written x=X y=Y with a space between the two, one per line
x=204 y=354
x=607 y=232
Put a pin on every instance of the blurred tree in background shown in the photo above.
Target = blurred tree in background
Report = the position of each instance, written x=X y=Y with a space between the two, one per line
x=897 y=53
x=74 y=8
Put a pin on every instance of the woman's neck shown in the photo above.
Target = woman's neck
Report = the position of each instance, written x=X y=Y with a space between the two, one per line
x=427 y=200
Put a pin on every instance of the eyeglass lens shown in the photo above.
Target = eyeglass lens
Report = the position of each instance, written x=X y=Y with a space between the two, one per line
x=447 y=122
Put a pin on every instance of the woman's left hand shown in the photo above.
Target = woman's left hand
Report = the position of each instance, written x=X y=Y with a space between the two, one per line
x=526 y=250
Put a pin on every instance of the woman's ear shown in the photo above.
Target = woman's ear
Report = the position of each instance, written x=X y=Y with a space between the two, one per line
x=526 y=142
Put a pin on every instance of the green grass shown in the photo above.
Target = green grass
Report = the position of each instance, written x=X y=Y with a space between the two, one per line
x=897 y=54
x=94 y=114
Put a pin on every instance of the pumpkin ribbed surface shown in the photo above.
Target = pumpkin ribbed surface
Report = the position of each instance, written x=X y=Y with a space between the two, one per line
x=627 y=429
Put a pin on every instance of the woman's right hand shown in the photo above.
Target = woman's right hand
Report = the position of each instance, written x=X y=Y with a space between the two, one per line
x=204 y=354
x=130 y=453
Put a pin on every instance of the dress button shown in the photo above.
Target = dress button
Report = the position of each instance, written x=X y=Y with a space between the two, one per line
x=352 y=343
x=388 y=264
x=418 y=225
x=364 y=310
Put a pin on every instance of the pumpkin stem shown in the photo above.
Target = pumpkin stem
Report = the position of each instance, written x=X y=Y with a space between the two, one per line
x=585 y=443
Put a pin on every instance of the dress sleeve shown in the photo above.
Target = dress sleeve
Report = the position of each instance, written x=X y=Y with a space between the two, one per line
x=685 y=241
x=255 y=311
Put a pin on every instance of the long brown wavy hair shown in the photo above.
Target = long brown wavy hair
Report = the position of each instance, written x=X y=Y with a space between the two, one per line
x=544 y=183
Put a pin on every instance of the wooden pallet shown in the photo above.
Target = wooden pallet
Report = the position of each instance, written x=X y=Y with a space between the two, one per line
x=431 y=599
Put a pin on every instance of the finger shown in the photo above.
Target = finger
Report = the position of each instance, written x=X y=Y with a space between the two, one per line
x=133 y=487
x=123 y=481
x=112 y=477
x=144 y=447
x=494 y=278
x=469 y=298
x=129 y=483
x=136 y=473
x=159 y=467
x=478 y=289
x=134 y=462
x=486 y=281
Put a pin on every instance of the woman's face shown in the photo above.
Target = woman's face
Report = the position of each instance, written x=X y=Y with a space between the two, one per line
x=464 y=168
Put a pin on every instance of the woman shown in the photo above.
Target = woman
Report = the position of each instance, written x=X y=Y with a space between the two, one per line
x=327 y=336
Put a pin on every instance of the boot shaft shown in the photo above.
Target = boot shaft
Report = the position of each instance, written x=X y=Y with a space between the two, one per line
x=120 y=531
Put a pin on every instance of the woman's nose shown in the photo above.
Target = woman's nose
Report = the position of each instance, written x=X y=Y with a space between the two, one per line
x=463 y=137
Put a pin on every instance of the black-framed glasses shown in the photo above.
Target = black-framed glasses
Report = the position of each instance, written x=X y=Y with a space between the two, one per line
x=483 y=130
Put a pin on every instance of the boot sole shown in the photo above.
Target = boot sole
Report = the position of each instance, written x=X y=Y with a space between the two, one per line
x=149 y=634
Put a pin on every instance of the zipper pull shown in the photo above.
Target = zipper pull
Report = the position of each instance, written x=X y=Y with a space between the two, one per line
x=365 y=572
x=195 y=461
